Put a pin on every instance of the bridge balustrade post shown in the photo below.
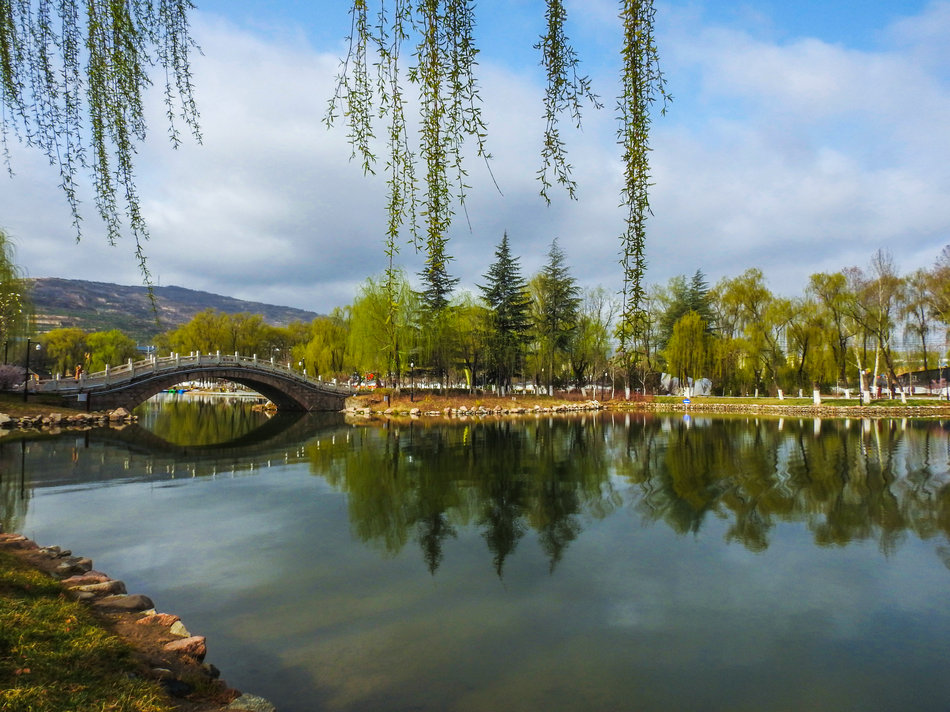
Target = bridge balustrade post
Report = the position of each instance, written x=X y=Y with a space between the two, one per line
x=177 y=359
x=107 y=374
x=254 y=358
x=198 y=357
x=217 y=356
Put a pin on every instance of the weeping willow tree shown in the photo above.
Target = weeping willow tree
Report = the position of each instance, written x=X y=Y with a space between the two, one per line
x=73 y=77
x=15 y=307
x=439 y=37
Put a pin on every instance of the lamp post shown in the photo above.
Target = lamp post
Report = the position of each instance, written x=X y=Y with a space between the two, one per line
x=26 y=375
x=412 y=382
x=946 y=386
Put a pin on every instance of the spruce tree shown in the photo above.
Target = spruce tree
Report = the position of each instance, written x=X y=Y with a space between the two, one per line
x=506 y=293
x=558 y=301
x=437 y=286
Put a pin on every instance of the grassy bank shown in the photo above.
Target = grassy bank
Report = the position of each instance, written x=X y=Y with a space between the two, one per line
x=55 y=657
x=12 y=404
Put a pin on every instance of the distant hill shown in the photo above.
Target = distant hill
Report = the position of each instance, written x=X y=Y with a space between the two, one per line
x=99 y=306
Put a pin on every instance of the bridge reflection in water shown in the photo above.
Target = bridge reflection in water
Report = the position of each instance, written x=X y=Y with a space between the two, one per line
x=843 y=480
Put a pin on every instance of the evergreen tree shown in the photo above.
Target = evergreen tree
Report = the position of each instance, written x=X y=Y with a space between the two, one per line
x=682 y=297
x=438 y=286
x=699 y=300
x=506 y=293
x=556 y=309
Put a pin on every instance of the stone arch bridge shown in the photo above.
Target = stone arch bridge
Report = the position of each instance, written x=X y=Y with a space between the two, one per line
x=129 y=385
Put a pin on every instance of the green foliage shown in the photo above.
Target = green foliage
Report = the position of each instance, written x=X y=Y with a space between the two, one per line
x=555 y=304
x=325 y=353
x=65 y=349
x=681 y=297
x=211 y=330
x=689 y=350
x=471 y=326
x=73 y=77
x=111 y=348
x=506 y=294
x=15 y=307
x=381 y=339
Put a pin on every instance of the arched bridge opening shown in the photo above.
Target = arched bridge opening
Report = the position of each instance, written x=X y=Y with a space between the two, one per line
x=135 y=382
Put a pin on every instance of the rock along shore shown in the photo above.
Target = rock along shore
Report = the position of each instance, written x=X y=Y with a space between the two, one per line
x=355 y=409
x=75 y=421
x=173 y=656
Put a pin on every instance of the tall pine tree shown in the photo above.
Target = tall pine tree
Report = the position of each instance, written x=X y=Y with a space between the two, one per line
x=558 y=300
x=506 y=293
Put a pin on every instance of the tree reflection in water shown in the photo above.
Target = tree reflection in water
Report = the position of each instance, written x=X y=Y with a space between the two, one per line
x=547 y=477
x=844 y=480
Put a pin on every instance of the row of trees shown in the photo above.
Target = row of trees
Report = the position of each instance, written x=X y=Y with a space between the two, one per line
x=856 y=327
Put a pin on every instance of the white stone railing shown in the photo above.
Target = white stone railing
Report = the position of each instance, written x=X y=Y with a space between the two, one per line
x=118 y=375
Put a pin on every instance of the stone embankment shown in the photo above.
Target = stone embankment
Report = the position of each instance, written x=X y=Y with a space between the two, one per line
x=60 y=421
x=172 y=655
x=473 y=412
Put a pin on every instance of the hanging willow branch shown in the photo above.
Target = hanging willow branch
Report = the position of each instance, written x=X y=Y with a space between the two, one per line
x=73 y=74
x=642 y=83
x=444 y=72
x=566 y=91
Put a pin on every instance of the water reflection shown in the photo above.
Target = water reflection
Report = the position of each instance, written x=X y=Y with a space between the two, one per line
x=846 y=480
x=411 y=483
x=191 y=420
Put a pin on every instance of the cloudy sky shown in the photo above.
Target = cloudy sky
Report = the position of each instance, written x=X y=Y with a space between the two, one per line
x=802 y=137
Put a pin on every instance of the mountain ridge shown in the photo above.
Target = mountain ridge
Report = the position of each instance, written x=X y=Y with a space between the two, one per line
x=102 y=306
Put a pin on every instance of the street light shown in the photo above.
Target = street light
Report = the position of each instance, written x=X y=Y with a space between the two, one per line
x=412 y=382
x=26 y=375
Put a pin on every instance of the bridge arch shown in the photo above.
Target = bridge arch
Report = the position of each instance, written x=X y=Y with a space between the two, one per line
x=129 y=385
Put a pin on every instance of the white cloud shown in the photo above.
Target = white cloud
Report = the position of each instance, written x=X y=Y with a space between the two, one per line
x=792 y=157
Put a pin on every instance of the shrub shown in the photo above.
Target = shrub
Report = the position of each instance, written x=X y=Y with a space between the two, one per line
x=10 y=376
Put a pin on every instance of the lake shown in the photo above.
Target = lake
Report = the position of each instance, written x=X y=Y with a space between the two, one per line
x=590 y=562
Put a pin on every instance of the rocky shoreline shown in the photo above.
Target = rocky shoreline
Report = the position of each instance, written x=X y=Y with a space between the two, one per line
x=172 y=656
x=897 y=410
x=475 y=411
x=75 y=421
x=55 y=422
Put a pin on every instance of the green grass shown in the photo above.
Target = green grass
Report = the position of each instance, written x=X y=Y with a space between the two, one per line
x=54 y=657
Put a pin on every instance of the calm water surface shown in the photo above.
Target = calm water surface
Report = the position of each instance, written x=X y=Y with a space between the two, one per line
x=569 y=563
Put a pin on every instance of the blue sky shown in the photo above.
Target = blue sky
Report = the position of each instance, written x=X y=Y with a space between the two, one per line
x=803 y=137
